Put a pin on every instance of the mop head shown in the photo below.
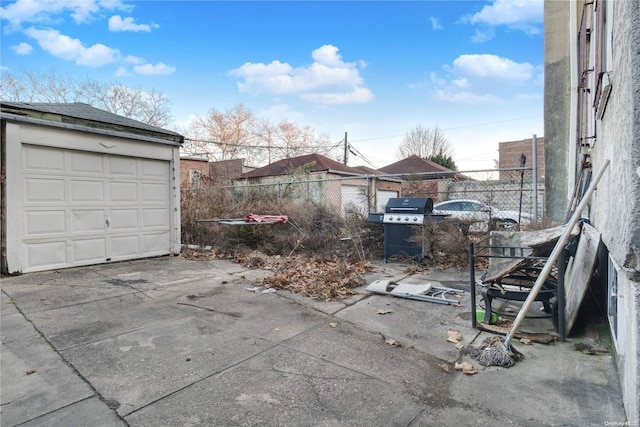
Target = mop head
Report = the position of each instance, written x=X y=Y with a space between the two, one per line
x=494 y=352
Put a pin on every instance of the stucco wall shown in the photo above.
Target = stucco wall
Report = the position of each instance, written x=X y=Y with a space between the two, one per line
x=618 y=196
x=557 y=109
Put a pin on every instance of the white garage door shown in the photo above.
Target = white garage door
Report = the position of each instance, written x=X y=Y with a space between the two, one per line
x=81 y=208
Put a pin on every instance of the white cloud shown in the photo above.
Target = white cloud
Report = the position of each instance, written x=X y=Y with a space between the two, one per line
x=22 y=48
x=328 y=80
x=483 y=79
x=522 y=15
x=121 y=71
x=465 y=97
x=69 y=49
x=159 y=69
x=133 y=60
x=45 y=12
x=492 y=66
x=483 y=35
x=435 y=24
x=117 y=23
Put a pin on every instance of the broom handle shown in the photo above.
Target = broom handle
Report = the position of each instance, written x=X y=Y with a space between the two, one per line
x=554 y=255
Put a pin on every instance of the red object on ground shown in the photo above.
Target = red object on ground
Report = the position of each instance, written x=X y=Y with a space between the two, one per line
x=274 y=219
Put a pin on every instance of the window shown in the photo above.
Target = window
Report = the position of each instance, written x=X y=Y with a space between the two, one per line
x=614 y=312
x=195 y=177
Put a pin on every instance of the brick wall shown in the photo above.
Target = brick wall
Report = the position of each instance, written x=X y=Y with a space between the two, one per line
x=226 y=170
x=509 y=154
x=187 y=165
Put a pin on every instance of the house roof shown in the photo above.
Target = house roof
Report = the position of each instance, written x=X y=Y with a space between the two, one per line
x=78 y=113
x=316 y=162
x=414 y=164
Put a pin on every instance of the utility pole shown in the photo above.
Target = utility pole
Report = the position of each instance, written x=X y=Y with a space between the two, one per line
x=346 y=149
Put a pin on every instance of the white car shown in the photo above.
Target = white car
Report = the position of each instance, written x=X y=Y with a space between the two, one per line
x=480 y=216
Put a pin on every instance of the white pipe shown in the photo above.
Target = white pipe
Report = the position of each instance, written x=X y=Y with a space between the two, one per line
x=559 y=247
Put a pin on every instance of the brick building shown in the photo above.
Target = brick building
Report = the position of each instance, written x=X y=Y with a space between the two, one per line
x=192 y=169
x=509 y=153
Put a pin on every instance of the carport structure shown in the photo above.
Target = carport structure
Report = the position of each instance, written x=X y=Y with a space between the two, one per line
x=84 y=186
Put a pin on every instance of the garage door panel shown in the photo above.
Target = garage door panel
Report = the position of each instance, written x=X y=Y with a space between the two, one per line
x=154 y=192
x=155 y=243
x=41 y=159
x=123 y=192
x=87 y=220
x=38 y=223
x=89 y=250
x=125 y=246
x=40 y=190
x=86 y=163
x=154 y=169
x=82 y=208
x=122 y=166
x=87 y=191
x=123 y=219
x=154 y=218
x=48 y=254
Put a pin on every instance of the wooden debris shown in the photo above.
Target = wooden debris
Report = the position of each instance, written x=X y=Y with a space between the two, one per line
x=538 y=337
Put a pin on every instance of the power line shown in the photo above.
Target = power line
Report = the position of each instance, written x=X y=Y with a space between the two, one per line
x=267 y=147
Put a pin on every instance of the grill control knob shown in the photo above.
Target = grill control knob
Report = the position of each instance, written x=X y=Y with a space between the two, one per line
x=406 y=218
x=415 y=218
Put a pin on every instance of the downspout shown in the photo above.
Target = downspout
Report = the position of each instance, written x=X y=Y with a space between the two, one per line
x=573 y=109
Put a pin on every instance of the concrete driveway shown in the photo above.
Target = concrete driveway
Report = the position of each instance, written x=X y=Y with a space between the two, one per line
x=176 y=342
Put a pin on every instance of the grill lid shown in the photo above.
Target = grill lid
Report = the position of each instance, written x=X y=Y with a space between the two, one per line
x=415 y=205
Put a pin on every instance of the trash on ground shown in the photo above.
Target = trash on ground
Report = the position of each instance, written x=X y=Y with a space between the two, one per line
x=261 y=290
x=384 y=311
x=333 y=324
x=503 y=328
x=466 y=368
x=421 y=292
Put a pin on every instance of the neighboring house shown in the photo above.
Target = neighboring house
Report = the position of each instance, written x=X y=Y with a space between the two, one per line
x=420 y=176
x=194 y=172
x=84 y=186
x=324 y=181
x=225 y=171
x=510 y=153
x=592 y=114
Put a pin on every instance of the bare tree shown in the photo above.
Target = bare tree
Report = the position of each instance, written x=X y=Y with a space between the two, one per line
x=151 y=107
x=223 y=135
x=424 y=142
x=237 y=133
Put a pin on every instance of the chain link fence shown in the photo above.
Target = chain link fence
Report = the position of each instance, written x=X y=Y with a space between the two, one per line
x=506 y=190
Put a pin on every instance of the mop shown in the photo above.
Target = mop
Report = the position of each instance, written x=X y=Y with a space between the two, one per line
x=494 y=351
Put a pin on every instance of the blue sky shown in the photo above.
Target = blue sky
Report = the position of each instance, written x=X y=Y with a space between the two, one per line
x=372 y=69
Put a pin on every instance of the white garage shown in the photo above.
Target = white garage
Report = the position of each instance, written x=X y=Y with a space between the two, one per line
x=84 y=186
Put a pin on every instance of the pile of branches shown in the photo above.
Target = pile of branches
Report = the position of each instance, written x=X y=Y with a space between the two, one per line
x=323 y=279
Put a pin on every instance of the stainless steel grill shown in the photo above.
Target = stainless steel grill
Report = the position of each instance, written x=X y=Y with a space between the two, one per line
x=401 y=217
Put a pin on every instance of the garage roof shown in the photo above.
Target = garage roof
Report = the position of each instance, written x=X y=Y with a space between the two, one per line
x=78 y=113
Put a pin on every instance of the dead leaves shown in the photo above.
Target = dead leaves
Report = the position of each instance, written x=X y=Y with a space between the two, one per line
x=381 y=311
x=466 y=368
x=454 y=337
x=31 y=371
x=329 y=280
x=390 y=341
